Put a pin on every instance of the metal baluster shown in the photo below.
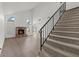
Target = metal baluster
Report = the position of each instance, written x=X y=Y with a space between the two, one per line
x=45 y=32
x=53 y=22
x=41 y=40
x=47 y=28
x=43 y=37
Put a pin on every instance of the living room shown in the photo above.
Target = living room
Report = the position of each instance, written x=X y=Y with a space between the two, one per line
x=21 y=23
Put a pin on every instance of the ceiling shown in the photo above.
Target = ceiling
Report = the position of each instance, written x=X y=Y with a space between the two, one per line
x=13 y=7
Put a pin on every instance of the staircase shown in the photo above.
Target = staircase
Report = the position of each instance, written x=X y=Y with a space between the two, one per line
x=64 y=39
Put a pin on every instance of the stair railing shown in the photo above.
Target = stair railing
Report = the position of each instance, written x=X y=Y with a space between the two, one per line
x=49 y=25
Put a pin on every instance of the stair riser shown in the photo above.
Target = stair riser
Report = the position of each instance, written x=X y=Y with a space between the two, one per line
x=65 y=48
x=67 y=29
x=76 y=42
x=67 y=34
x=71 y=25
x=74 y=11
x=72 y=22
x=43 y=54
x=52 y=52
x=70 y=15
x=69 y=21
x=70 y=18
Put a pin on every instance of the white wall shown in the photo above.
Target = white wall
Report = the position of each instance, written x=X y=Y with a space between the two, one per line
x=70 y=5
x=21 y=17
x=1 y=26
x=43 y=11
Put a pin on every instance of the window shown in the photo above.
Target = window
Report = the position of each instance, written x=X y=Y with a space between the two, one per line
x=11 y=18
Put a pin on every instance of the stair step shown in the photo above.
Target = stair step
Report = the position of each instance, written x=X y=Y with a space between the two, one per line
x=47 y=51
x=44 y=53
x=65 y=39
x=75 y=29
x=73 y=20
x=52 y=51
x=72 y=38
x=65 y=44
x=66 y=20
x=74 y=11
x=67 y=25
x=70 y=15
x=71 y=48
x=58 y=52
x=69 y=18
x=65 y=33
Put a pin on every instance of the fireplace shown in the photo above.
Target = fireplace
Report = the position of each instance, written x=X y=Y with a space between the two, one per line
x=20 y=31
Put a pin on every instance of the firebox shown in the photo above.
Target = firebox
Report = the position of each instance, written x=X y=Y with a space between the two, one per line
x=20 y=31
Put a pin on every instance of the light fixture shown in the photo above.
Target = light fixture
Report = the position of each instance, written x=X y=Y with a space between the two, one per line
x=28 y=21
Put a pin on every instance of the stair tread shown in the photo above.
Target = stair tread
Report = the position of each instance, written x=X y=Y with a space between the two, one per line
x=65 y=44
x=73 y=38
x=66 y=27
x=67 y=32
x=69 y=24
x=71 y=15
x=44 y=53
x=67 y=40
x=60 y=51
x=71 y=20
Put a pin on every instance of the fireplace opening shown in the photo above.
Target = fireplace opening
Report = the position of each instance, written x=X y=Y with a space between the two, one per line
x=20 y=31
